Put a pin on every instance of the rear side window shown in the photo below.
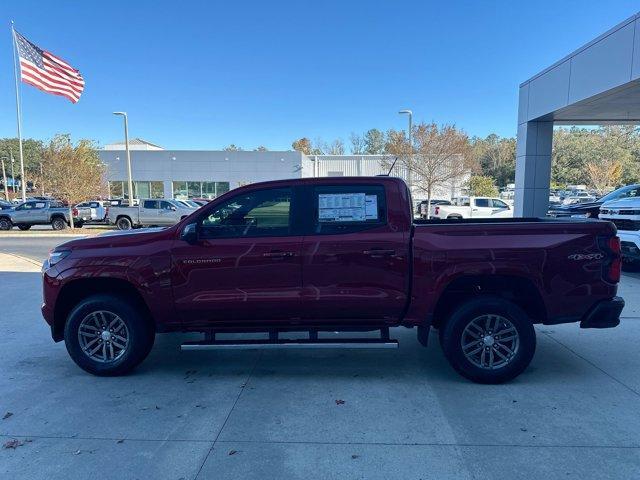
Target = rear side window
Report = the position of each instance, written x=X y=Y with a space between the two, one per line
x=152 y=204
x=348 y=208
x=482 y=202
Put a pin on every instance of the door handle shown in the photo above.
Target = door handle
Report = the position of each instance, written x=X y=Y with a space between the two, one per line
x=277 y=254
x=379 y=252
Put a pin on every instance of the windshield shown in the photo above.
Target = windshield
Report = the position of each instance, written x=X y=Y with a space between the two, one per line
x=624 y=192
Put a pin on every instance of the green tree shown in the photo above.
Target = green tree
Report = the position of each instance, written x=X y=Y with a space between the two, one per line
x=32 y=151
x=482 y=186
x=233 y=148
x=374 y=142
x=496 y=157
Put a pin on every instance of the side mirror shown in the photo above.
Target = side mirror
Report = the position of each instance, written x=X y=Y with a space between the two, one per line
x=190 y=233
x=173 y=208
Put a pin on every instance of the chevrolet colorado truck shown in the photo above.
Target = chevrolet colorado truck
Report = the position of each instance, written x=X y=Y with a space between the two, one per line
x=39 y=212
x=325 y=255
x=147 y=213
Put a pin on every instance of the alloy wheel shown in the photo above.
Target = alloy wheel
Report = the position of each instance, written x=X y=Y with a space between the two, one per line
x=490 y=341
x=103 y=336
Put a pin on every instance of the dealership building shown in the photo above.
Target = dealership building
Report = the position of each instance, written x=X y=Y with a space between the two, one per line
x=160 y=173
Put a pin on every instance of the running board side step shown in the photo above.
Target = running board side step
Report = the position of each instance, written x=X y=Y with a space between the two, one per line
x=356 y=343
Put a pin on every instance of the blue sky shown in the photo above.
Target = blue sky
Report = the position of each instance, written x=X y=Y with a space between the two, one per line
x=202 y=75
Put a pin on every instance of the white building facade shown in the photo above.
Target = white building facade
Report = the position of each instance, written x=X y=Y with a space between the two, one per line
x=159 y=173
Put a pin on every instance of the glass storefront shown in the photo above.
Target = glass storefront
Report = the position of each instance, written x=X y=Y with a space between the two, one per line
x=183 y=190
x=120 y=189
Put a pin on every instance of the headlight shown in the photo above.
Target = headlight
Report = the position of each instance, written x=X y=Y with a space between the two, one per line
x=56 y=255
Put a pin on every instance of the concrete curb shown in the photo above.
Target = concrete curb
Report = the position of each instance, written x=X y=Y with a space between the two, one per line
x=10 y=262
x=48 y=235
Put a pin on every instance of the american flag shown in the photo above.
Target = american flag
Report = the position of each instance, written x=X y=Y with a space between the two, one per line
x=47 y=72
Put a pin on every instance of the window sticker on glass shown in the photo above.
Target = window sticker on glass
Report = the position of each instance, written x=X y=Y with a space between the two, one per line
x=342 y=207
x=371 y=207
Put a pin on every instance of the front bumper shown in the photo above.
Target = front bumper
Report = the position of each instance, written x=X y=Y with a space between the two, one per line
x=605 y=314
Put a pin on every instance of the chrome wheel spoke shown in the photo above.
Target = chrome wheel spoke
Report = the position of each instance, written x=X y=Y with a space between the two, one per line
x=103 y=336
x=490 y=341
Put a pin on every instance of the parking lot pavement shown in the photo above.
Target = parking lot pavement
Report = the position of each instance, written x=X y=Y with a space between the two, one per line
x=316 y=414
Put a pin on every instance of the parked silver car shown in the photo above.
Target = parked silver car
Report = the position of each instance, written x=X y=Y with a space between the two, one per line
x=149 y=212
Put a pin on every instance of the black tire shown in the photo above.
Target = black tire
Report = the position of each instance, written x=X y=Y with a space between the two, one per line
x=457 y=217
x=5 y=224
x=140 y=331
x=423 y=336
x=78 y=224
x=451 y=337
x=630 y=265
x=24 y=227
x=58 y=223
x=124 y=223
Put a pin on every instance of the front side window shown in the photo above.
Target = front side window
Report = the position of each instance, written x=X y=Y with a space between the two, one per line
x=164 y=205
x=262 y=213
x=498 y=203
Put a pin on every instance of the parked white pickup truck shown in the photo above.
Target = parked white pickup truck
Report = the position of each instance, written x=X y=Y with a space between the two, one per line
x=472 y=207
x=625 y=214
x=149 y=212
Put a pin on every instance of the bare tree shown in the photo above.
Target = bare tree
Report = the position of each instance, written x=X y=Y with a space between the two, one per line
x=357 y=144
x=72 y=173
x=440 y=156
x=336 y=147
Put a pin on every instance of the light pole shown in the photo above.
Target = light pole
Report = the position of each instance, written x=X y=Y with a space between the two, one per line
x=409 y=137
x=13 y=178
x=4 y=178
x=126 y=143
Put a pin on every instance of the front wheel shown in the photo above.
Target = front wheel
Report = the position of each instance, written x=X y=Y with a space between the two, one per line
x=58 y=223
x=123 y=223
x=108 y=335
x=5 y=224
x=488 y=340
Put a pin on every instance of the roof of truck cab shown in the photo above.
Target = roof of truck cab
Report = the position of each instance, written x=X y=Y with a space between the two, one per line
x=325 y=181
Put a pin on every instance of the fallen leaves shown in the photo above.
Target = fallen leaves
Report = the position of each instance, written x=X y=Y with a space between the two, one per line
x=15 y=443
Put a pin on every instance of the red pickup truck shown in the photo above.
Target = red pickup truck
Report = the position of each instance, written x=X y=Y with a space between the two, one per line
x=332 y=255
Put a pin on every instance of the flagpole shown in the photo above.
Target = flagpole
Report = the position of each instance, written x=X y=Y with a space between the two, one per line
x=23 y=182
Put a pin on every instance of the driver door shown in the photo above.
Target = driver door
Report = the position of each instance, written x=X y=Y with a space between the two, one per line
x=245 y=264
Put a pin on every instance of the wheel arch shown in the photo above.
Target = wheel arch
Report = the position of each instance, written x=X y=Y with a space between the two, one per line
x=75 y=291
x=519 y=290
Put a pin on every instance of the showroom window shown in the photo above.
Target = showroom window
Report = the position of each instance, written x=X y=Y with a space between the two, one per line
x=184 y=189
x=141 y=189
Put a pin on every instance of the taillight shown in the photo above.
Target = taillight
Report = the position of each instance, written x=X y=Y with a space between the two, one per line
x=612 y=265
x=437 y=210
x=75 y=212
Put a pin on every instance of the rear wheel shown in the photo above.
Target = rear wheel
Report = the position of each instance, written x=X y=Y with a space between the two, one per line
x=124 y=223
x=5 y=224
x=24 y=227
x=108 y=335
x=58 y=223
x=488 y=340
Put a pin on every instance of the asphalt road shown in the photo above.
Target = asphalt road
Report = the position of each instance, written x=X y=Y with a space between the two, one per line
x=34 y=248
x=314 y=414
